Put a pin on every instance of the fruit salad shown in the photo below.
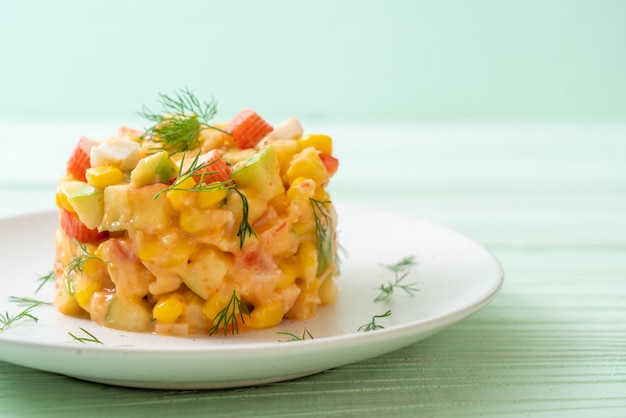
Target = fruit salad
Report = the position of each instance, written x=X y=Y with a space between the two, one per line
x=190 y=228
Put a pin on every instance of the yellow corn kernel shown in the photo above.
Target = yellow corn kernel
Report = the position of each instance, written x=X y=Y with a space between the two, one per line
x=301 y=187
x=322 y=143
x=63 y=202
x=266 y=315
x=149 y=250
x=93 y=267
x=167 y=310
x=103 y=176
x=328 y=292
x=306 y=261
x=210 y=197
x=213 y=305
x=288 y=275
x=307 y=164
x=280 y=203
x=193 y=220
x=180 y=199
x=83 y=293
x=285 y=150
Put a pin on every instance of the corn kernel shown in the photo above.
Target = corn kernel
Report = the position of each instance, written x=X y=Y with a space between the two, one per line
x=180 y=199
x=63 y=202
x=306 y=261
x=328 y=292
x=213 y=305
x=192 y=220
x=301 y=187
x=307 y=164
x=288 y=275
x=84 y=293
x=210 y=197
x=322 y=143
x=148 y=250
x=103 y=176
x=266 y=315
x=168 y=310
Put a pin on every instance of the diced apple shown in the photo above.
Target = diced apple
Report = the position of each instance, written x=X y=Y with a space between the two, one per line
x=205 y=271
x=148 y=213
x=116 y=209
x=260 y=172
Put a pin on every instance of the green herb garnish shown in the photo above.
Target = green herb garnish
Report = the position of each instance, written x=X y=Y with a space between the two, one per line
x=228 y=316
x=45 y=279
x=295 y=337
x=91 y=339
x=198 y=170
x=323 y=233
x=400 y=271
x=177 y=127
x=7 y=319
x=373 y=326
x=25 y=301
x=78 y=263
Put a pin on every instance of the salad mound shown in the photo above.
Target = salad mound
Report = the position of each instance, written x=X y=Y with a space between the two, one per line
x=189 y=228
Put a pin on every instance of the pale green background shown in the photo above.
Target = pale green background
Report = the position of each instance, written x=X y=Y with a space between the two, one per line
x=346 y=60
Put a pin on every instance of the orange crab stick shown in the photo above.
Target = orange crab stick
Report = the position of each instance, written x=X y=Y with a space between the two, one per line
x=78 y=162
x=214 y=168
x=75 y=229
x=248 y=128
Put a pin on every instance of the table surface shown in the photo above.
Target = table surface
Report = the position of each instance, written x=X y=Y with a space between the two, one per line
x=548 y=199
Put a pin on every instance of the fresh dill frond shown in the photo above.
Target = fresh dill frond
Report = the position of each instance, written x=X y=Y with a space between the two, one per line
x=177 y=127
x=26 y=301
x=77 y=263
x=198 y=171
x=84 y=340
x=295 y=337
x=373 y=326
x=400 y=271
x=45 y=279
x=228 y=316
x=7 y=319
x=245 y=229
x=323 y=233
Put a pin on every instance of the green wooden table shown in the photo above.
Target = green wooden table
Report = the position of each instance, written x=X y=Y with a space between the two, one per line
x=549 y=200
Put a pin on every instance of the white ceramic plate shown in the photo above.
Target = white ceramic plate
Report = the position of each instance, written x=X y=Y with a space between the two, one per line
x=455 y=277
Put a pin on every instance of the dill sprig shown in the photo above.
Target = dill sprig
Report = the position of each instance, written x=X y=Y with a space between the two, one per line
x=198 y=170
x=78 y=263
x=400 y=271
x=245 y=229
x=84 y=340
x=373 y=326
x=26 y=301
x=228 y=316
x=45 y=279
x=7 y=319
x=183 y=116
x=324 y=239
x=295 y=337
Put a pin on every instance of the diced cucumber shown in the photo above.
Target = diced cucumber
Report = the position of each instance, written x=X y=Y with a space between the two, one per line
x=260 y=172
x=156 y=168
x=127 y=314
x=88 y=202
